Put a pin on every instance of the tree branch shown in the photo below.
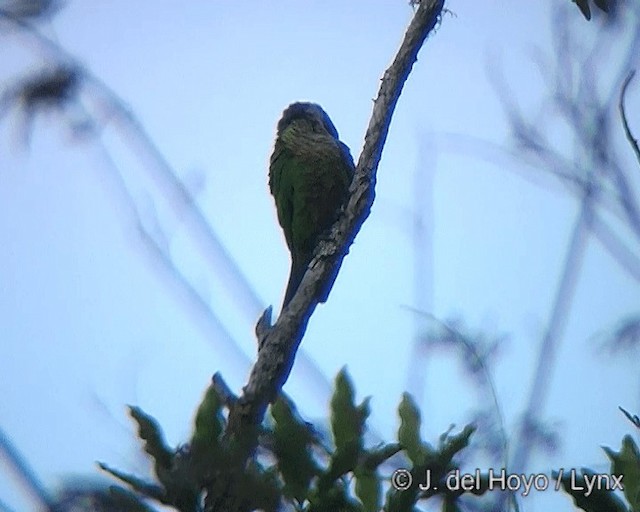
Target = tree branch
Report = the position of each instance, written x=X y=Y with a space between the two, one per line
x=627 y=130
x=279 y=343
x=23 y=472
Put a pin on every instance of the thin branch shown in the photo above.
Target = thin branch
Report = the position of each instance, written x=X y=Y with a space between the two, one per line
x=23 y=471
x=504 y=157
x=183 y=288
x=616 y=247
x=479 y=361
x=176 y=193
x=184 y=206
x=627 y=129
x=555 y=328
x=632 y=418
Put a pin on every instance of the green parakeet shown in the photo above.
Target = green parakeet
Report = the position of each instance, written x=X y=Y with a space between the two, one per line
x=309 y=177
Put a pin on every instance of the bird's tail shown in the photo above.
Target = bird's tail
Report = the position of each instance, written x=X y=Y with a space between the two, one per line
x=295 y=278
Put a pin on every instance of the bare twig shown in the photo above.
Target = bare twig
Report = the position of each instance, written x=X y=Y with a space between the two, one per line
x=224 y=391
x=632 y=418
x=627 y=129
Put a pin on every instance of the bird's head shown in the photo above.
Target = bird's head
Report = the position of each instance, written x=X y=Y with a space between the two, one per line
x=308 y=117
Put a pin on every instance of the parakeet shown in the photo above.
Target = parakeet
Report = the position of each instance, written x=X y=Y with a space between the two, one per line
x=309 y=177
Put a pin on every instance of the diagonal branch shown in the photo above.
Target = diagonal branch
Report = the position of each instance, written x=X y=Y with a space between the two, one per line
x=160 y=256
x=280 y=342
x=23 y=472
x=174 y=192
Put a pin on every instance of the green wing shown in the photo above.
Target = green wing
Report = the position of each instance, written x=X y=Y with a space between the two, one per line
x=281 y=170
x=309 y=182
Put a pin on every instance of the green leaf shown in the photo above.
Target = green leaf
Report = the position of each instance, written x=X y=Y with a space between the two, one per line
x=334 y=499
x=208 y=423
x=293 y=440
x=409 y=430
x=347 y=425
x=401 y=501
x=368 y=489
x=626 y=462
x=347 y=420
x=206 y=452
x=450 y=445
x=450 y=504
x=149 y=431
x=343 y=461
x=172 y=469
x=373 y=458
x=262 y=488
x=150 y=490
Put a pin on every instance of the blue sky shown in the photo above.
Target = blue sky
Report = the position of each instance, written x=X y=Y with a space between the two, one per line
x=89 y=322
